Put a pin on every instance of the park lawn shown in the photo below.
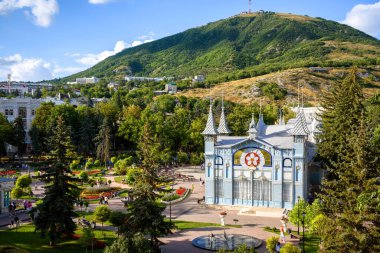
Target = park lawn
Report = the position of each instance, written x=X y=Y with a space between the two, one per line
x=119 y=179
x=90 y=217
x=311 y=243
x=182 y=225
x=26 y=239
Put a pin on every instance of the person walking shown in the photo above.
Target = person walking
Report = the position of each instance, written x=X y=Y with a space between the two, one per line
x=282 y=235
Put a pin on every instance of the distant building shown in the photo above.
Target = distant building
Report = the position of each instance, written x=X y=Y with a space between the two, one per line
x=86 y=80
x=319 y=69
x=24 y=88
x=170 y=88
x=6 y=185
x=141 y=78
x=113 y=86
x=199 y=79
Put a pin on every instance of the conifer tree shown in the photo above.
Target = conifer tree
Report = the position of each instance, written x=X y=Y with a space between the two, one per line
x=56 y=211
x=103 y=140
x=144 y=212
x=352 y=163
x=19 y=136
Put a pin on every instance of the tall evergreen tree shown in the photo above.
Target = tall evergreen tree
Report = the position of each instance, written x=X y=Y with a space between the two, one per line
x=103 y=140
x=56 y=211
x=352 y=163
x=145 y=212
x=19 y=136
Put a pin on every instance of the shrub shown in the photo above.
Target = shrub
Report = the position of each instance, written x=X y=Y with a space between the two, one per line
x=84 y=176
x=113 y=159
x=196 y=159
x=121 y=166
x=17 y=192
x=23 y=181
x=271 y=243
x=183 y=158
x=74 y=165
x=290 y=248
x=97 y=163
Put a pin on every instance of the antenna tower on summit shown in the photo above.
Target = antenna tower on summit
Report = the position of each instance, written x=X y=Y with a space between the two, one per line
x=249 y=5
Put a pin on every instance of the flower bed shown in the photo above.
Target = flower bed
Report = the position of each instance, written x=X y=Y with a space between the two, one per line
x=7 y=173
x=91 y=172
x=179 y=195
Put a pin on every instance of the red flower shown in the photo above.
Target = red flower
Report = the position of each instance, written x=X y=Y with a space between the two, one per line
x=180 y=191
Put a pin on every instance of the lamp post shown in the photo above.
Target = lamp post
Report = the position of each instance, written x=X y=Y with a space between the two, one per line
x=170 y=204
x=303 y=231
x=298 y=214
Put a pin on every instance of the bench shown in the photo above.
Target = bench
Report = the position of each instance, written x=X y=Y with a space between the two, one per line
x=294 y=236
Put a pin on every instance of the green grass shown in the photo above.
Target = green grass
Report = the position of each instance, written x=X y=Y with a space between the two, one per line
x=11 y=249
x=119 y=179
x=26 y=239
x=182 y=225
x=90 y=217
x=311 y=243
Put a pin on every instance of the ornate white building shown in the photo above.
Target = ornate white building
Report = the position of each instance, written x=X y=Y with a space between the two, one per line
x=269 y=167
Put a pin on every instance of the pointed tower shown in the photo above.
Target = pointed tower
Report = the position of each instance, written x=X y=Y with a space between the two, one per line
x=261 y=127
x=300 y=134
x=281 y=120
x=223 y=127
x=300 y=127
x=252 y=132
x=210 y=129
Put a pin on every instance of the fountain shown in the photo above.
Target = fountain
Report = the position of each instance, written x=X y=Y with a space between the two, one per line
x=215 y=242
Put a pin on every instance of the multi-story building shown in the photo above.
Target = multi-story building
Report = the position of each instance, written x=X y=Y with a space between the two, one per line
x=270 y=167
x=86 y=80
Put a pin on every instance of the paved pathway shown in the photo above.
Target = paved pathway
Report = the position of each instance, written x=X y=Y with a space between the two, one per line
x=190 y=210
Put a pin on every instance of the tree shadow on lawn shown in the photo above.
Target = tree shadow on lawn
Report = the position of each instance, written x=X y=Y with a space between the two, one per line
x=26 y=238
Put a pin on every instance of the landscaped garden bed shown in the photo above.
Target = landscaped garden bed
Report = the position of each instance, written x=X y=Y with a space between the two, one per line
x=92 y=193
x=177 y=196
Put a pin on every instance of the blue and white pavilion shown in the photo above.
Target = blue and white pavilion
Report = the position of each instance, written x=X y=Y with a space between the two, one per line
x=269 y=167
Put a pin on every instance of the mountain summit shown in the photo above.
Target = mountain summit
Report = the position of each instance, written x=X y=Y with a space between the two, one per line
x=245 y=45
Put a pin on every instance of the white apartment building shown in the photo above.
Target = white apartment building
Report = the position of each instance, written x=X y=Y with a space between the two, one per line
x=86 y=80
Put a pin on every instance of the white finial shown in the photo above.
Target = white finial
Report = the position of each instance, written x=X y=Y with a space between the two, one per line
x=298 y=94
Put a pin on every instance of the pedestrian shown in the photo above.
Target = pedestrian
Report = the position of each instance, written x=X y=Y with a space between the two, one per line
x=25 y=204
x=282 y=235
x=278 y=247
x=106 y=200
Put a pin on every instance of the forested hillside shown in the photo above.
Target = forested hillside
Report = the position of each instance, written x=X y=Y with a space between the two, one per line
x=244 y=46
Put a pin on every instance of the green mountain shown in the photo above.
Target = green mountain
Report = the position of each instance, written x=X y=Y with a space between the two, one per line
x=244 y=46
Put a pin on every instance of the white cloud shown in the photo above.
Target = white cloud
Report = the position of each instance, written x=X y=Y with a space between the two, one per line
x=365 y=17
x=42 y=11
x=92 y=59
x=99 y=1
x=32 y=69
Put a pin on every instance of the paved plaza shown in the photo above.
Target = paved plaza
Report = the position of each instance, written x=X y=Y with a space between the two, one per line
x=190 y=210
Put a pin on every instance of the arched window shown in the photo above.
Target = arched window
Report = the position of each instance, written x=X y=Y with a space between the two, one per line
x=287 y=162
x=218 y=160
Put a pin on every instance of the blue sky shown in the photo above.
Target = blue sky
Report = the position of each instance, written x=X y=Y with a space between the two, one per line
x=43 y=39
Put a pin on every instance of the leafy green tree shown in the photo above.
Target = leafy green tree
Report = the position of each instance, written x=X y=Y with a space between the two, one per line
x=5 y=133
x=56 y=210
x=117 y=219
x=102 y=213
x=87 y=238
x=84 y=176
x=134 y=244
x=311 y=211
x=23 y=181
x=17 y=192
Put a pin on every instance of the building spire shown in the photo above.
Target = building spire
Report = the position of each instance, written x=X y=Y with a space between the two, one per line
x=261 y=124
x=300 y=127
x=281 y=121
x=210 y=126
x=223 y=127
x=252 y=132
